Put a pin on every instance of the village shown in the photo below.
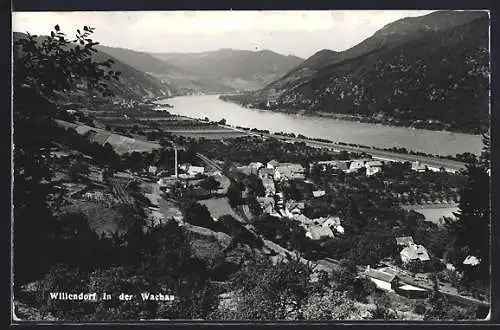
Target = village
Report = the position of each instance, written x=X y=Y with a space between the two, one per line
x=160 y=186
x=294 y=194
x=389 y=276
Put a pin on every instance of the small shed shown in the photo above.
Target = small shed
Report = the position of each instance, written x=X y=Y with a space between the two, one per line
x=383 y=280
x=472 y=261
x=404 y=240
x=318 y=193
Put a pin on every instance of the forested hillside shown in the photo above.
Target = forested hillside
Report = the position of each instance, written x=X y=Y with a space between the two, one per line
x=132 y=84
x=434 y=74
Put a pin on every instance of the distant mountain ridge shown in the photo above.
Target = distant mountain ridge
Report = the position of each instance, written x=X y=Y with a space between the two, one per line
x=180 y=81
x=430 y=72
x=232 y=68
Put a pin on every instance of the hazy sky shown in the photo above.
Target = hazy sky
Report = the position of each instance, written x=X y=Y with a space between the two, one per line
x=300 y=33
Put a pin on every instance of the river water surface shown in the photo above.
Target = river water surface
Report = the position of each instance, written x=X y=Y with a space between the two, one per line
x=431 y=142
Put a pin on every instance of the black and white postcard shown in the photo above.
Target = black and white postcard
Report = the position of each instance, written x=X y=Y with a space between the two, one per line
x=251 y=165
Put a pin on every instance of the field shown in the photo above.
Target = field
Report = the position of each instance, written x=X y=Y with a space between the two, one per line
x=101 y=218
x=208 y=134
x=219 y=207
x=434 y=213
x=121 y=144
x=176 y=125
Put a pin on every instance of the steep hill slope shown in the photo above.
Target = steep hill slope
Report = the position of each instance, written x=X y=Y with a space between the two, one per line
x=390 y=36
x=133 y=84
x=430 y=72
x=234 y=69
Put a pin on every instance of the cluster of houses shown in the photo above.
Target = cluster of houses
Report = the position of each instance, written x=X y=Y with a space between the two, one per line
x=273 y=203
x=322 y=227
x=390 y=278
x=273 y=171
x=372 y=166
x=349 y=166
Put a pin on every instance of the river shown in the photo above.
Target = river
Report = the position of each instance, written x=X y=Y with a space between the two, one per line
x=336 y=130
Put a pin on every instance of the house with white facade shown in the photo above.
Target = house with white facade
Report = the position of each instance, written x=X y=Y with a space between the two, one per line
x=414 y=252
x=472 y=261
x=417 y=166
x=373 y=167
x=318 y=232
x=152 y=169
x=335 y=164
x=194 y=170
x=289 y=171
x=318 y=193
x=357 y=164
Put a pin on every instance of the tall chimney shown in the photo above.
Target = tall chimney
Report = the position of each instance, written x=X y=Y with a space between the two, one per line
x=176 y=171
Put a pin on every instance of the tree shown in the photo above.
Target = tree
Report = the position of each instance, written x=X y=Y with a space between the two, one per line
x=485 y=157
x=44 y=68
x=197 y=214
x=438 y=304
x=210 y=184
x=332 y=305
x=77 y=170
x=383 y=310
x=264 y=291
x=354 y=219
x=471 y=231
x=234 y=193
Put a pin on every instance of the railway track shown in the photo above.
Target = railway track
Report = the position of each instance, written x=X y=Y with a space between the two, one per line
x=120 y=192
x=209 y=162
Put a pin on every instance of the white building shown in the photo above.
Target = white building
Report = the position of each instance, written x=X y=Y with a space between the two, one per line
x=318 y=193
x=152 y=169
x=383 y=279
x=318 y=232
x=373 y=167
x=417 y=166
x=414 y=252
x=331 y=222
x=356 y=165
x=289 y=171
x=194 y=170
x=472 y=261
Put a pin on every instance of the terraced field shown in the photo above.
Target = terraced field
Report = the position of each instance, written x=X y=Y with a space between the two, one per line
x=121 y=144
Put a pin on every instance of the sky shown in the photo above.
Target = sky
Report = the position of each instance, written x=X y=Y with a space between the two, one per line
x=299 y=33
